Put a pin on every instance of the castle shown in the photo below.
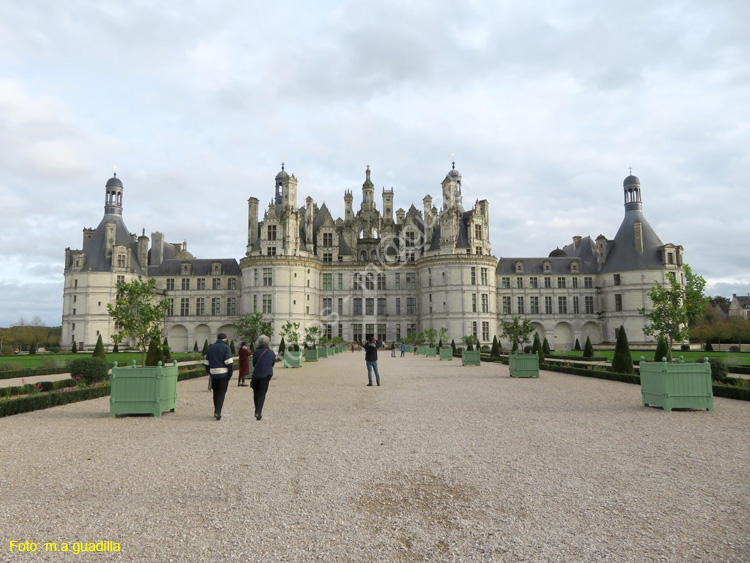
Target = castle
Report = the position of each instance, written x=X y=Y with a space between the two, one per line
x=389 y=273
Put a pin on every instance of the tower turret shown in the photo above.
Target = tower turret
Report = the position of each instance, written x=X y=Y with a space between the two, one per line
x=631 y=188
x=388 y=205
x=368 y=191
x=348 y=199
x=113 y=197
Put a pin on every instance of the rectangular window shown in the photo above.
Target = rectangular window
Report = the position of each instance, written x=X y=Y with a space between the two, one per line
x=411 y=329
x=485 y=303
x=184 y=307
x=271 y=251
x=398 y=281
x=200 y=283
x=341 y=307
x=357 y=332
x=357 y=281
x=329 y=331
x=271 y=232
x=369 y=306
x=548 y=304
x=327 y=282
x=410 y=238
x=200 y=306
x=483 y=273
x=485 y=331
x=398 y=332
x=327 y=239
x=411 y=281
x=381 y=281
x=370 y=280
x=474 y=329
x=576 y=307
x=185 y=283
x=618 y=302
x=357 y=306
x=381 y=332
x=575 y=282
x=547 y=282
x=267 y=277
x=327 y=306
x=170 y=284
x=473 y=275
x=520 y=305
x=505 y=283
x=473 y=302
x=560 y=282
x=478 y=232
x=506 y=304
x=588 y=282
x=534 y=282
x=519 y=282
x=617 y=279
x=255 y=277
x=215 y=306
x=120 y=279
x=341 y=330
x=327 y=257
x=589 y=304
x=216 y=283
x=398 y=305
x=255 y=303
x=267 y=307
x=381 y=306
x=369 y=330
x=534 y=305
x=411 y=305
x=231 y=306
x=170 y=309
x=341 y=281
x=562 y=305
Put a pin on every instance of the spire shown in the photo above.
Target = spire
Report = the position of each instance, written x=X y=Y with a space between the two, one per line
x=631 y=188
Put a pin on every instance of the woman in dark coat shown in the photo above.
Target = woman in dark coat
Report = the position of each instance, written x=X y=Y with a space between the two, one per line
x=244 y=364
x=263 y=361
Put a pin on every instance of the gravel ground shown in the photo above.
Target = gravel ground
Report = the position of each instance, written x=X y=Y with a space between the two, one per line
x=440 y=463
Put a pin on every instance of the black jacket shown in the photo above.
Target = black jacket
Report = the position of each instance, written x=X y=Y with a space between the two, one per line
x=371 y=351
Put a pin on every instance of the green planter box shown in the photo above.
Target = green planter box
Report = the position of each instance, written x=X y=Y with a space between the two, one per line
x=322 y=352
x=422 y=350
x=676 y=386
x=311 y=355
x=446 y=353
x=143 y=390
x=292 y=359
x=473 y=358
x=431 y=352
x=523 y=365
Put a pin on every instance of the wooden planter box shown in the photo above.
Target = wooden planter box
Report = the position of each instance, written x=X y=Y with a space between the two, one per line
x=292 y=359
x=143 y=390
x=676 y=386
x=322 y=352
x=523 y=365
x=311 y=355
x=431 y=352
x=446 y=353
x=473 y=358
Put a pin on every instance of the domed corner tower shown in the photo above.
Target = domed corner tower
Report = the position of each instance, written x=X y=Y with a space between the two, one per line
x=630 y=265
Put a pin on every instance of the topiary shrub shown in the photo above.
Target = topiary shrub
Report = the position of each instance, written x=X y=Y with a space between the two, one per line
x=495 y=352
x=578 y=346
x=661 y=351
x=165 y=351
x=232 y=349
x=32 y=349
x=89 y=370
x=622 y=361
x=588 y=349
x=719 y=369
x=685 y=347
x=205 y=347
x=99 y=349
x=195 y=347
x=282 y=347
x=734 y=349
x=536 y=347
x=545 y=346
x=527 y=349
x=708 y=347
x=74 y=350
x=154 y=355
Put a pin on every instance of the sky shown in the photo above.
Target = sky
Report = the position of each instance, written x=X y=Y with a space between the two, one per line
x=544 y=106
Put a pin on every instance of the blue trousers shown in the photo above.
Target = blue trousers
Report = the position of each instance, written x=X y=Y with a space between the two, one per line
x=370 y=367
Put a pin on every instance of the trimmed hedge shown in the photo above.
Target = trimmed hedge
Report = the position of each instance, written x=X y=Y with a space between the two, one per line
x=45 y=386
x=30 y=372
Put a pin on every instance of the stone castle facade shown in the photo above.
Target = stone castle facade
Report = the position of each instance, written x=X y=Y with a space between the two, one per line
x=383 y=272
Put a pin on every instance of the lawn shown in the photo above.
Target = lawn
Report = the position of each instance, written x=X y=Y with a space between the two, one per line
x=731 y=358
x=60 y=360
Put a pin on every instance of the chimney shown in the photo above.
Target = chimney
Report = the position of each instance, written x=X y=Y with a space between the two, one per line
x=157 y=248
x=576 y=241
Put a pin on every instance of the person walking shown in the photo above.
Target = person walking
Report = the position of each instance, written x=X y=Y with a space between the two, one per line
x=219 y=367
x=393 y=350
x=244 y=364
x=403 y=349
x=263 y=361
x=371 y=359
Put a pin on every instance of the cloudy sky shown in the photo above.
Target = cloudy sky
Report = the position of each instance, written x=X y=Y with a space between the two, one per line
x=545 y=105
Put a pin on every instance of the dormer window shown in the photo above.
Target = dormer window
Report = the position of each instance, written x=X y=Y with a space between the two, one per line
x=186 y=268
x=216 y=268
x=547 y=267
x=519 y=267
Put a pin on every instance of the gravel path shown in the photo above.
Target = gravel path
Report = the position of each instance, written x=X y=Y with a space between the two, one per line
x=440 y=463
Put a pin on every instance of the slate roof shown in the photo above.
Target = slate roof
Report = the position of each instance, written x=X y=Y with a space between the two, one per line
x=199 y=267
x=96 y=259
x=535 y=266
x=623 y=256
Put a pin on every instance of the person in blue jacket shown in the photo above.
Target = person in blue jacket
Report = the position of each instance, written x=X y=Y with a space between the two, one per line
x=219 y=367
x=263 y=361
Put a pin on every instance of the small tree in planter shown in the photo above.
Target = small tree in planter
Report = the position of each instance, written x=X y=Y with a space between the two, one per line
x=312 y=336
x=250 y=327
x=136 y=312
x=290 y=332
x=518 y=331
x=431 y=336
x=443 y=335
x=674 y=307
x=622 y=362
x=470 y=340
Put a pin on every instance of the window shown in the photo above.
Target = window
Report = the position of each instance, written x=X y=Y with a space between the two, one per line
x=267 y=277
x=485 y=303
x=519 y=282
x=617 y=279
x=200 y=306
x=121 y=260
x=341 y=281
x=267 y=303
x=357 y=280
x=588 y=282
x=170 y=284
x=271 y=251
x=231 y=306
x=327 y=239
x=534 y=305
x=255 y=277
x=411 y=305
x=215 y=306
x=120 y=279
x=327 y=306
x=255 y=303
x=478 y=232
x=370 y=280
x=398 y=281
x=369 y=306
x=670 y=258
x=548 y=304
x=520 y=305
x=381 y=281
x=398 y=332
x=474 y=328
x=216 y=283
x=381 y=306
x=184 y=307
x=534 y=282
x=170 y=309
x=505 y=283
x=484 y=276
x=357 y=332
x=328 y=331
x=411 y=329
x=369 y=330
x=200 y=283
x=473 y=275
x=506 y=304
x=340 y=306
x=185 y=283
x=618 y=302
x=271 y=232
x=473 y=302
x=327 y=282
x=575 y=282
x=410 y=238
x=341 y=330
x=357 y=306
x=398 y=305
x=327 y=257
x=547 y=282
x=75 y=282
x=588 y=302
x=562 y=305
x=576 y=307
x=381 y=332
x=411 y=281
x=560 y=282
x=485 y=331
